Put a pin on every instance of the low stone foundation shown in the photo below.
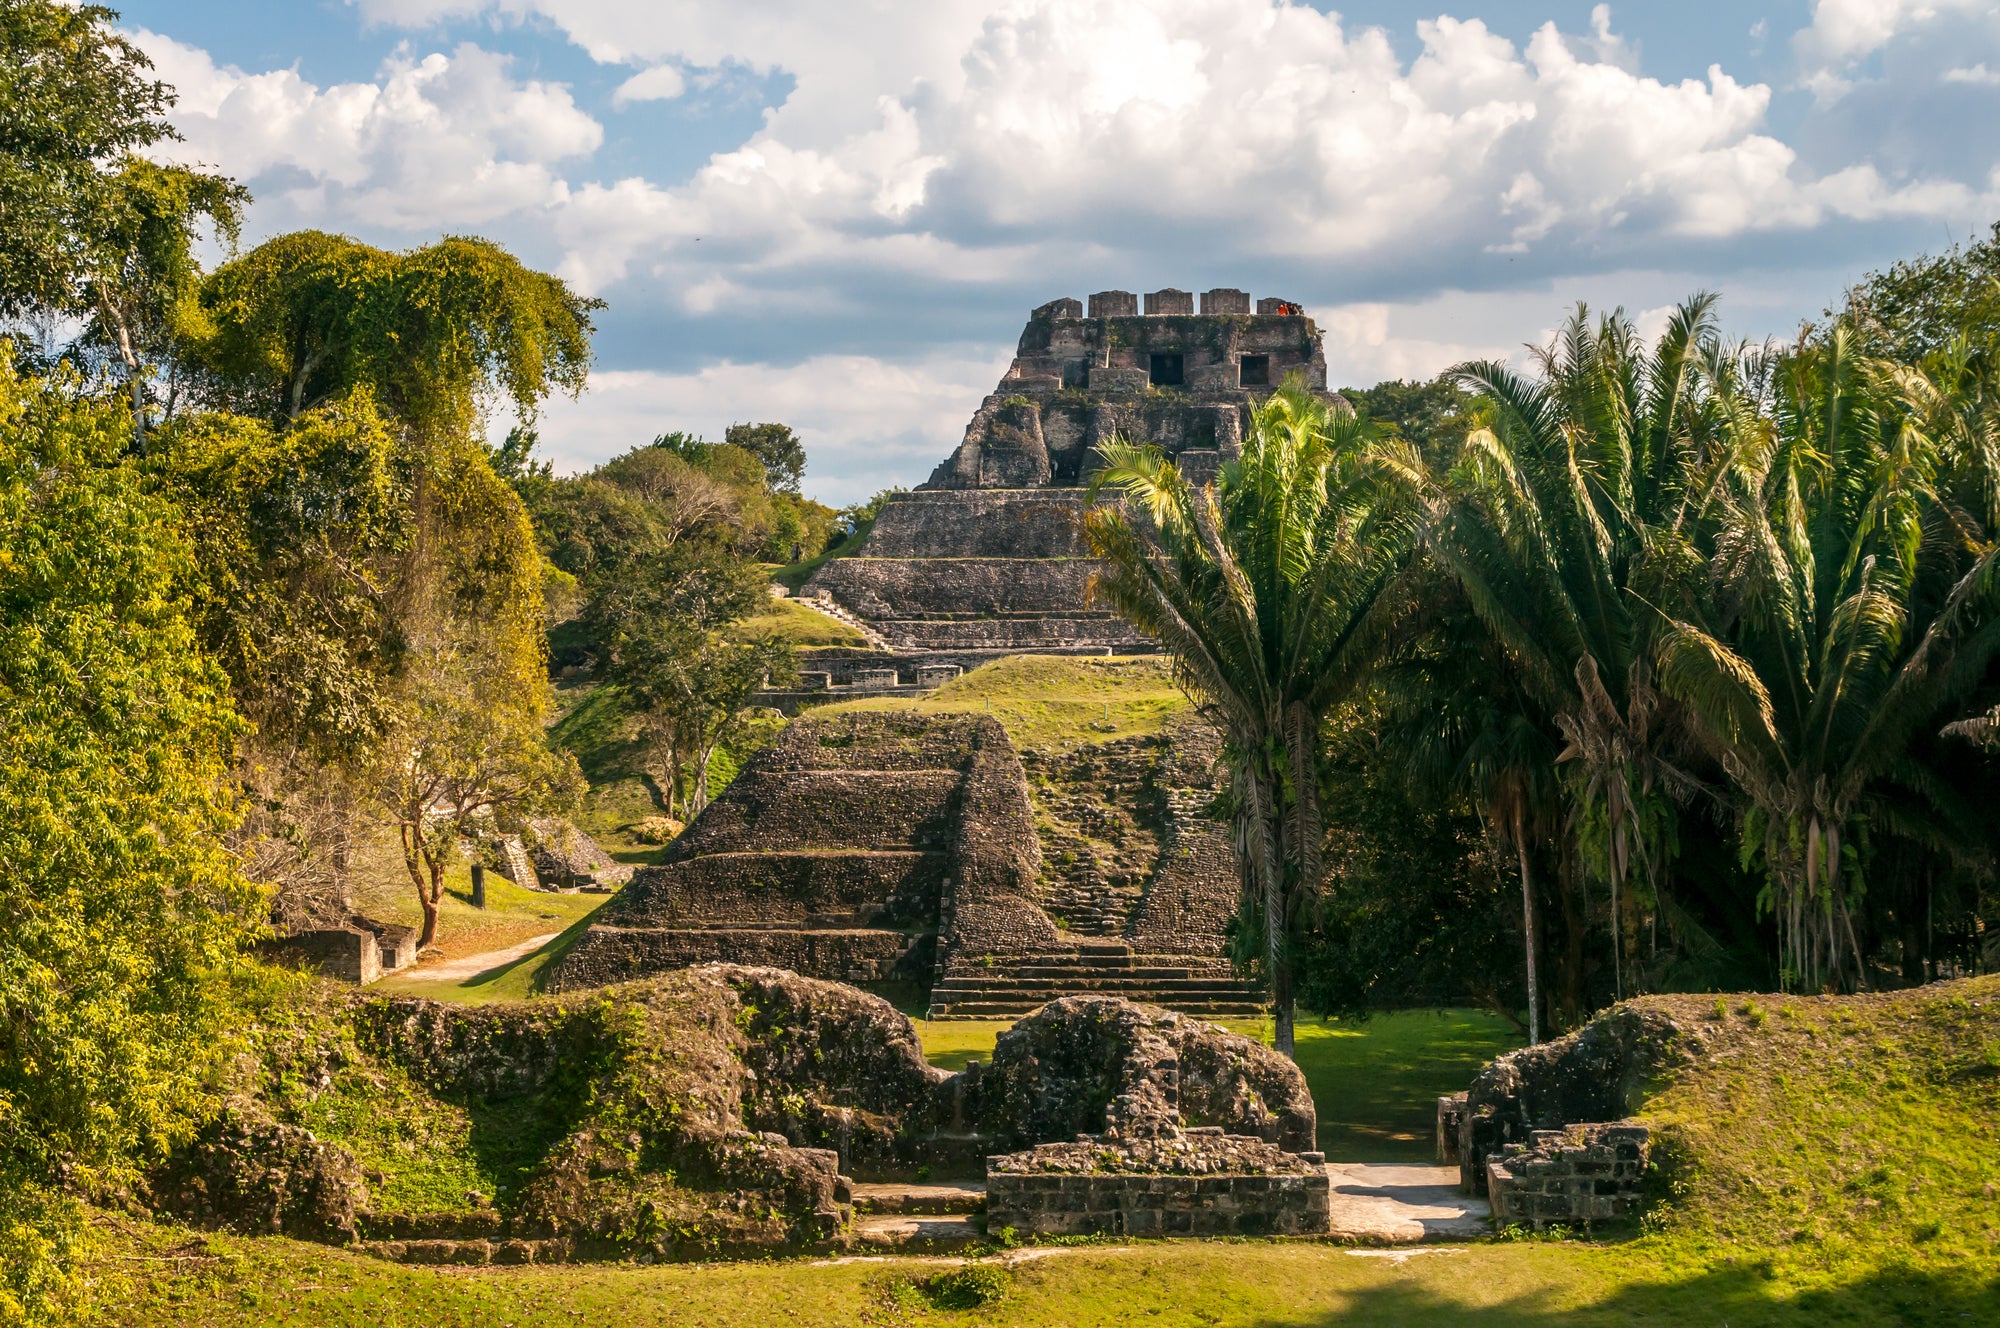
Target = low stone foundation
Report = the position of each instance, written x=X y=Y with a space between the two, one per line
x=1579 y=1176
x=1197 y=1182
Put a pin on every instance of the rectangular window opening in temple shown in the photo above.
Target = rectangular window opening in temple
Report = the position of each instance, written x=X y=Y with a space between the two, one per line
x=1256 y=371
x=1167 y=370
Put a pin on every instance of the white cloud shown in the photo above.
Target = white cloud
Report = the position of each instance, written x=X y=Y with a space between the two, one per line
x=1247 y=129
x=867 y=423
x=1978 y=74
x=438 y=141
x=660 y=83
x=1845 y=31
x=947 y=152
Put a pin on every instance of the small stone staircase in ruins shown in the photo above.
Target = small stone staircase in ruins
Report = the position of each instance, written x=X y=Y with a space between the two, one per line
x=997 y=986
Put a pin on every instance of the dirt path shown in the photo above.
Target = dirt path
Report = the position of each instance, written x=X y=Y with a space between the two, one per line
x=458 y=970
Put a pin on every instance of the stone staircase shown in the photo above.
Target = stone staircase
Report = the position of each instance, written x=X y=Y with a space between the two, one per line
x=1017 y=985
x=1091 y=906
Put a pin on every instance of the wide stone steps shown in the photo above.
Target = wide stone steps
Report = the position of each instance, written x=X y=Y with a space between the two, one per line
x=1075 y=986
x=1110 y=968
x=1010 y=1009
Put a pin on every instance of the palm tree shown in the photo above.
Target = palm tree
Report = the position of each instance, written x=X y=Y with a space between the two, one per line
x=1270 y=590
x=1849 y=610
x=1585 y=488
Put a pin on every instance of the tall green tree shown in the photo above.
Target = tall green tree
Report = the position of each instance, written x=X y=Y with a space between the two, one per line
x=90 y=229
x=1562 y=521
x=684 y=679
x=1270 y=591
x=122 y=913
x=781 y=451
x=435 y=333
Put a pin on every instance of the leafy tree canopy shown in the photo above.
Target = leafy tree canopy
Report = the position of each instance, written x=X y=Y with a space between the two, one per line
x=1915 y=307
x=781 y=451
x=436 y=333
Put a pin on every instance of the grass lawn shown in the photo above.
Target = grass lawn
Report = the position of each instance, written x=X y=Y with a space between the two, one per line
x=1054 y=701
x=792 y=622
x=383 y=889
x=1375 y=1083
x=161 y=1278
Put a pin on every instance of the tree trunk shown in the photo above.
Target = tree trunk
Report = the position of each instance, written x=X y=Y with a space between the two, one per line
x=412 y=839
x=1528 y=931
x=1276 y=961
x=1282 y=1009
x=432 y=902
x=698 y=795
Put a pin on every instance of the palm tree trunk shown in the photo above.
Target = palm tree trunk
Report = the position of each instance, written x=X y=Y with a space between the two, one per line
x=1528 y=931
x=1266 y=853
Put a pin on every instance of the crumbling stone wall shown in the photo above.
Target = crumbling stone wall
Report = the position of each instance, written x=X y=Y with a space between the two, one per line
x=565 y=857
x=1197 y=1182
x=715 y=1109
x=1595 y=1074
x=1581 y=1175
x=1545 y=1132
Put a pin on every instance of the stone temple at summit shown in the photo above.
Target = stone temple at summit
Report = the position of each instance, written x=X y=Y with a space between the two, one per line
x=987 y=558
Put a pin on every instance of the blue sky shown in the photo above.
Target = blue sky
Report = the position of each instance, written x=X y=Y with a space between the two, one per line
x=838 y=215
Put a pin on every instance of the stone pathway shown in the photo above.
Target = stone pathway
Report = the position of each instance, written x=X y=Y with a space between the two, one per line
x=911 y=1200
x=458 y=970
x=1403 y=1204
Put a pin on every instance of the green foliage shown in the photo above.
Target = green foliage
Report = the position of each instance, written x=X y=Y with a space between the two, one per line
x=434 y=333
x=1433 y=416
x=1818 y=669
x=682 y=675
x=86 y=226
x=780 y=450
x=121 y=912
x=1915 y=308
x=297 y=536
x=1416 y=912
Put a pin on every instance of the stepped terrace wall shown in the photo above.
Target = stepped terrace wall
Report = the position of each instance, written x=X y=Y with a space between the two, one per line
x=850 y=849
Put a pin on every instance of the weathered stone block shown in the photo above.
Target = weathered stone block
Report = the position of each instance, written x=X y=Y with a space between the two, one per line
x=1170 y=303
x=1114 y=304
x=1224 y=300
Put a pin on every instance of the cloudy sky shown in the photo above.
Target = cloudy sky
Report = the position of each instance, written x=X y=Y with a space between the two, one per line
x=837 y=213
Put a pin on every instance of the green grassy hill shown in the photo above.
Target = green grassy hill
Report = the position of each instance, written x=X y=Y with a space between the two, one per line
x=1819 y=1129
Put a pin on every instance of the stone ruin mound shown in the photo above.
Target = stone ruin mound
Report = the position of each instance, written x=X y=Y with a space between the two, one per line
x=1546 y=1134
x=716 y=1110
x=901 y=848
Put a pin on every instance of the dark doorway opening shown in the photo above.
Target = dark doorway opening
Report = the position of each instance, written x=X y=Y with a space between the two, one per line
x=1256 y=371
x=1167 y=371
